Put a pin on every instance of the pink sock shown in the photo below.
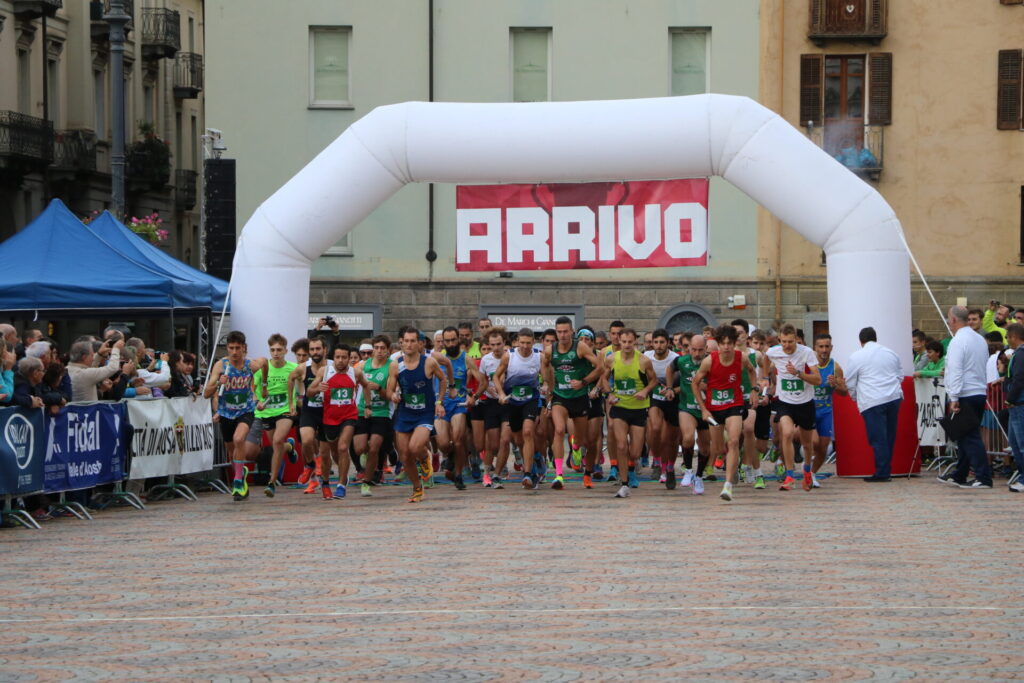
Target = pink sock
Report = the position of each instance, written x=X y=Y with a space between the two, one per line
x=558 y=466
x=237 y=468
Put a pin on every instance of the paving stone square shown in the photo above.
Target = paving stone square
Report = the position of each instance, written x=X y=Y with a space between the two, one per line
x=909 y=580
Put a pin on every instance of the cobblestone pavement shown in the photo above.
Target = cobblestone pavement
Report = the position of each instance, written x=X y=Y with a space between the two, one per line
x=895 y=581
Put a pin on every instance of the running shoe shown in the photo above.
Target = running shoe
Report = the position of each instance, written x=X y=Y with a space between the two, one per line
x=709 y=470
x=749 y=476
x=449 y=468
x=623 y=492
x=588 y=482
x=808 y=482
x=634 y=481
x=656 y=470
x=312 y=487
x=613 y=474
x=289 y=449
x=558 y=484
x=487 y=481
x=428 y=473
x=814 y=481
x=269 y=491
x=496 y=483
x=326 y=489
x=527 y=482
x=339 y=492
x=576 y=453
x=780 y=470
x=645 y=461
x=698 y=486
x=460 y=484
x=719 y=464
x=364 y=490
x=688 y=478
x=417 y=496
x=245 y=482
x=787 y=484
x=759 y=482
x=726 y=493
x=670 y=479
x=307 y=474
x=598 y=473
x=540 y=468
x=236 y=490
x=663 y=478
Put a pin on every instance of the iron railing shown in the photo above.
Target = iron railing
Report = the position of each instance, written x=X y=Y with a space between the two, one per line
x=33 y=9
x=99 y=29
x=25 y=141
x=161 y=32
x=74 y=151
x=185 y=189
x=188 y=75
x=867 y=159
x=830 y=20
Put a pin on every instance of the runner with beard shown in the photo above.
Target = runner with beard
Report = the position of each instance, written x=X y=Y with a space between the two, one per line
x=663 y=417
x=451 y=429
x=311 y=415
x=831 y=375
x=516 y=381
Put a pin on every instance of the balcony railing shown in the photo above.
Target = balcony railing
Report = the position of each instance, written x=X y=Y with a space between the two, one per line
x=161 y=32
x=99 y=28
x=848 y=20
x=185 y=189
x=74 y=151
x=865 y=159
x=26 y=143
x=188 y=75
x=33 y=9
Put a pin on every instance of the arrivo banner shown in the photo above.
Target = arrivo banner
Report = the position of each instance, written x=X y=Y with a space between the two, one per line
x=567 y=226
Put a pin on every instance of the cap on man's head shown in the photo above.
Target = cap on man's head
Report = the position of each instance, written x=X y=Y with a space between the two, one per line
x=365 y=347
x=585 y=333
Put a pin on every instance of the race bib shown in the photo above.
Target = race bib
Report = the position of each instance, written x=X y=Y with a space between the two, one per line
x=522 y=392
x=415 y=401
x=236 y=400
x=276 y=401
x=376 y=400
x=565 y=382
x=625 y=387
x=793 y=385
x=722 y=397
x=659 y=393
x=821 y=393
x=341 y=396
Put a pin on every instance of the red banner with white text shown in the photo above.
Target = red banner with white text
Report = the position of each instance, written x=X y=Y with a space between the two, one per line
x=566 y=226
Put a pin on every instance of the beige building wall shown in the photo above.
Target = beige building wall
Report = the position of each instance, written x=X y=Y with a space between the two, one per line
x=953 y=179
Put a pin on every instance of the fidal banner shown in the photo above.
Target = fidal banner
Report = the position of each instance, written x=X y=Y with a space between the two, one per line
x=566 y=226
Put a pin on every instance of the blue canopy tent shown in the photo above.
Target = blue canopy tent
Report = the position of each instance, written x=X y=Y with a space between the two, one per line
x=113 y=232
x=58 y=267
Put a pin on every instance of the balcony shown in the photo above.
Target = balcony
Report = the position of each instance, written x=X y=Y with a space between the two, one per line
x=33 y=9
x=185 y=189
x=26 y=145
x=99 y=28
x=863 y=154
x=848 y=20
x=188 y=76
x=161 y=33
x=74 y=152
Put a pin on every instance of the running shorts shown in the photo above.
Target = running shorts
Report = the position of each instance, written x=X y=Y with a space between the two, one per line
x=518 y=413
x=375 y=426
x=720 y=416
x=802 y=414
x=228 y=424
x=634 y=417
x=578 y=406
x=333 y=432
x=669 y=411
x=823 y=422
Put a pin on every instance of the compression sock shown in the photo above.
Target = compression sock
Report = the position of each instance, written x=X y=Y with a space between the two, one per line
x=789 y=473
x=807 y=467
x=559 y=466
x=688 y=458
x=236 y=467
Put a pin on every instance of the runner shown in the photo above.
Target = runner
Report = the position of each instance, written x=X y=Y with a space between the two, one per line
x=275 y=408
x=231 y=380
x=831 y=374
x=373 y=434
x=544 y=428
x=570 y=367
x=795 y=367
x=414 y=420
x=597 y=412
x=763 y=411
x=722 y=404
x=693 y=430
x=497 y=433
x=337 y=382
x=311 y=415
x=516 y=381
x=451 y=428
x=751 y=460
x=629 y=379
x=663 y=417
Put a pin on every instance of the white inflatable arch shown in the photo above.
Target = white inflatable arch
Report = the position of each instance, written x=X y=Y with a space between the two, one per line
x=679 y=137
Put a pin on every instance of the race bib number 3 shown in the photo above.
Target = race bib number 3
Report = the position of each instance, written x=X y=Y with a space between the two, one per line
x=721 y=397
x=793 y=385
x=416 y=401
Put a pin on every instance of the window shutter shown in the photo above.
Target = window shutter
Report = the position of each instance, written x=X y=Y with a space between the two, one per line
x=1008 y=101
x=880 y=88
x=1011 y=2
x=876 y=17
x=811 y=73
x=817 y=14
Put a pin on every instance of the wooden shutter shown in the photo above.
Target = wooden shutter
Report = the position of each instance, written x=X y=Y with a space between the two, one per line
x=811 y=73
x=880 y=88
x=876 y=17
x=817 y=14
x=1008 y=100
x=1011 y=2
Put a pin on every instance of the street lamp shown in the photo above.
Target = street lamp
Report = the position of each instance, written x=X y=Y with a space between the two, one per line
x=117 y=18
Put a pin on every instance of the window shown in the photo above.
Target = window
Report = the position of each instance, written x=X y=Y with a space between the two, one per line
x=329 y=83
x=148 y=92
x=24 y=82
x=179 y=162
x=342 y=247
x=531 y=64
x=690 y=57
x=1008 y=96
x=833 y=89
x=194 y=131
x=99 y=87
x=191 y=34
x=53 y=90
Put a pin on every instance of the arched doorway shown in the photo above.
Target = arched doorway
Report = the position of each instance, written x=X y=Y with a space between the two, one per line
x=686 y=318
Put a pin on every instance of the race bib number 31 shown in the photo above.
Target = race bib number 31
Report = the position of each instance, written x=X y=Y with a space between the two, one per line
x=793 y=385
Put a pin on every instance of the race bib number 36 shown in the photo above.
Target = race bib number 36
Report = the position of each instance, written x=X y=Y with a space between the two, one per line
x=721 y=397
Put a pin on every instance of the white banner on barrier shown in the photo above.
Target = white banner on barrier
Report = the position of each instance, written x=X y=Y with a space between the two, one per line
x=931 y=406
x=172 y=436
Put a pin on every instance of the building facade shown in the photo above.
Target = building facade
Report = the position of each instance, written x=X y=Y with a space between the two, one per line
x=874 y=82
x=55 y=112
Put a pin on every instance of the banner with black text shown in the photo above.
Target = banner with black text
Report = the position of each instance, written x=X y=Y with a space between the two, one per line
x=172 y=436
